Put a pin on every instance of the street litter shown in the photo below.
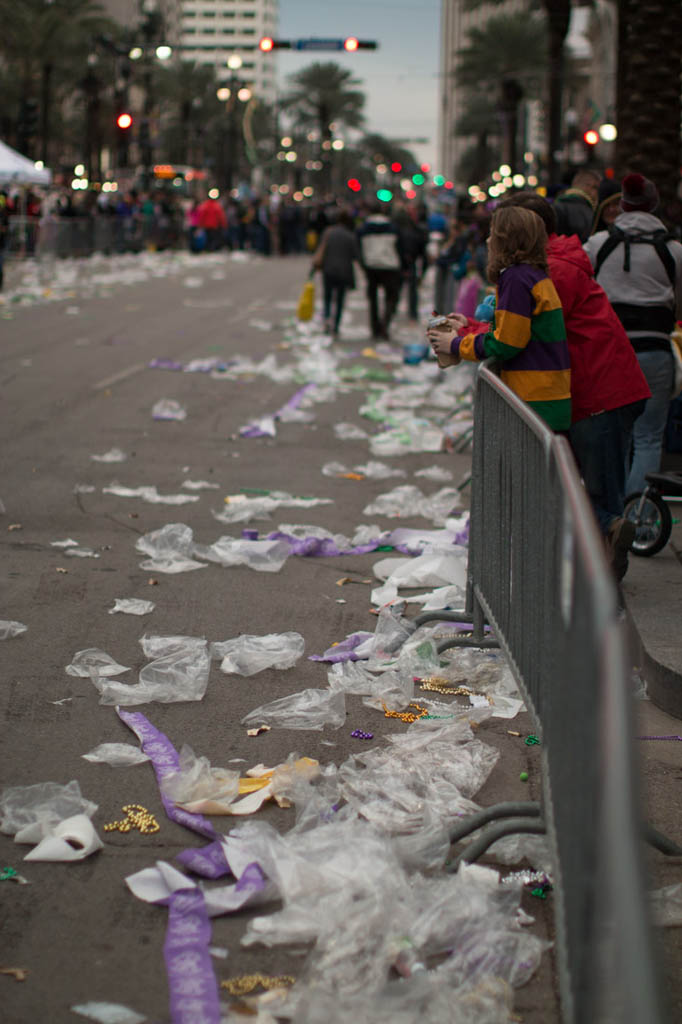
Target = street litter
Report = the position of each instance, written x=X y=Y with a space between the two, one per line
x=168 y=409
x=196 y=781
x=246 y=655
x=170 y=548
x=150 y=494
x=108 y=1013
x=407 y=500
x=94 y=662
x=258 y=730
x=136 y=817
x=666 y=906
x=118 y=755
x=79 y=552
x=9 y=629
x=30 y=812
x=242 y=508
x=113 y=455
x=199 y=485
x=9 y=874
x=70 y=840
x=305 y=709
x=18 y=973
x=179 y=672
x=132 y=606
x=258 y=786
x=435 y=473
x=261 y=555
x=350 y=432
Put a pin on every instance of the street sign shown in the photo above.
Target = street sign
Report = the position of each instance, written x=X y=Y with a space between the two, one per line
x=317 y=44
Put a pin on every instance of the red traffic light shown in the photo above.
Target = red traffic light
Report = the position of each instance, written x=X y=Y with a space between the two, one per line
x=396 y=167
x=266 y=44
x=124 y=121
x=354 y=185
x=351 y=44
x=591 y=137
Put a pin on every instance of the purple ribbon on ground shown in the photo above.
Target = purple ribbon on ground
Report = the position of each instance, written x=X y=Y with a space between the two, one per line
x=344 y=651
x=253 y=430
x=192 y=982
x=207 y=861
x=320 y=547
x=164 y=758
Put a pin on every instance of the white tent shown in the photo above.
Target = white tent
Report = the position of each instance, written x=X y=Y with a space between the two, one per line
x=16 y=169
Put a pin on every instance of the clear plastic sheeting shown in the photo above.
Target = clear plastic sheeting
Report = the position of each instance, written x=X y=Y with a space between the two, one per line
x=170 y=549
x=349 y=432
x=410 y=435
x=241 y=508
x=246 y=655
x=197 y=780
x=10 y=629
x=132 y=606
x=30 y=812
x=307 y=709
x=117 y=755
x=260 y=555
x=94 y=662
x=666 y=906
x=436 y=567
x=108 y=1013
x=113 y=455
x=391 y=632
x=179 y=672
x=408 y=501
x=168 y=409
x=150 y=494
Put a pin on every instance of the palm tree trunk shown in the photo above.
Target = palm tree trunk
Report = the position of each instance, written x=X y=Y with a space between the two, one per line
x=648 y=104
x=558 y=18
x=45 y=105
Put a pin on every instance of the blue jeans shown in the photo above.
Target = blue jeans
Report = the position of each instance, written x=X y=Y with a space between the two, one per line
x=601 y=445
x=647 y=435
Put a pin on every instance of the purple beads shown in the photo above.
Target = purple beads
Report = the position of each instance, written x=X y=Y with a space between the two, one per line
x=358 y=734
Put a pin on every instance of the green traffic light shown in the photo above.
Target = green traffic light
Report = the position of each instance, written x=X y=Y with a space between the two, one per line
x=418 y=179
x=385 y=195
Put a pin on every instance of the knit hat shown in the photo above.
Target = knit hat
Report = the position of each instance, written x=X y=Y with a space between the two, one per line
x=639 y=194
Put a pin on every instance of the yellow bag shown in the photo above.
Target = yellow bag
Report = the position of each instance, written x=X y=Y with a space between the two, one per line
x=311 y=240
x=306 y=303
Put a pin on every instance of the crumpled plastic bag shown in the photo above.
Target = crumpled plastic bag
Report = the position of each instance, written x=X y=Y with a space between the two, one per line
x=241 y=508
x=195 y=780
x=168 y=409
x=113 y=455
x=246 y=655
x=9 y=629
x=390 y=634
x=261 y=555
x=179 y=672
x=94 y=662
x=307 y=709
x=407 y=500
x=108 y=1013
x=132 y=606
x=70 y=840
x=171 y=549
x=118 y=755
x=29 y=812
x=150 y=494
x=435 y=568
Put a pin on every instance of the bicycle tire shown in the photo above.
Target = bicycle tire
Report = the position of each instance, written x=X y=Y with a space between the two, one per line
x=654 y=524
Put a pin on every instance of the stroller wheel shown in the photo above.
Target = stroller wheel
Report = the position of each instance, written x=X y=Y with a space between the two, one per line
x=651 y=516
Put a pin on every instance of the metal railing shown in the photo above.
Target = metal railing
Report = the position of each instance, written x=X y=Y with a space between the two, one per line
x=537 y=574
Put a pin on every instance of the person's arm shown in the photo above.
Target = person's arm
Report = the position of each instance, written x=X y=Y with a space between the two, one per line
x=510 y=332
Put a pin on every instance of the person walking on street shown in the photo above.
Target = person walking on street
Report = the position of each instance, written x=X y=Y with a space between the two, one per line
x=381 y=258
x=640 y=269
x=528 y=335
x=337 y=252
x=608 y=388
x=413 y=246
x=213 y=221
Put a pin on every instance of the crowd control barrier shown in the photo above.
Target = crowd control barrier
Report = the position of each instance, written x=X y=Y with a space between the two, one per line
x=537 y=574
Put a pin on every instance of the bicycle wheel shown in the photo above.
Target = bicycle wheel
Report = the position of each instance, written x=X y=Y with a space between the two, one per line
x=651 y=516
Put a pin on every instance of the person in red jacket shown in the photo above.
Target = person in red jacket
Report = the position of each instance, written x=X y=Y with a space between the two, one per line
x=608 y=388
x=212 y=219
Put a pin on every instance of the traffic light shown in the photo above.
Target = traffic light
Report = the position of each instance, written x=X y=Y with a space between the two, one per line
x=354 y=185
x=124 y=121
x=396 y=167
x=267 y=44
x=591 y=137
x=351 y=44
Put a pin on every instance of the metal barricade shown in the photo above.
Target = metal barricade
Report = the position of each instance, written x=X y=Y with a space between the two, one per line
x=537 y=574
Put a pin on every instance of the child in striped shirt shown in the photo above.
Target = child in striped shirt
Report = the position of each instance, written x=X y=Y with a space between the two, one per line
x=528 y=335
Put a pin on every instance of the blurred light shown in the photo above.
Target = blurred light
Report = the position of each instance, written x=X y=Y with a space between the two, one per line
x=532 y=180
x=223 y=93
x=297 y=197
x=354 y=185
x=213 y=193
x=135 y=53
x=286 y=141
x=508 y=182
x=608 y=132
x=384 y=195
x=338 y=144
x=505 y=170
x=528 y=157
x=381 y=168
x=282 y=155
x=473 y=190
x=274 y=188
x=177 y=182
x=411 y=194
x=519 y=180
x=326 y=144
x=79 y=170
x=492 y=191
x=496 y=176
x=449 y=184
x=333 y=126
x=291 y=156
x=418 y=179
x=425 y=168
x=163 y=52
x=609 y=172
x=396 y=167
x=38 y=164
x=124 y=121
x=405 y=183
x=266 y=44
x=308 y=191
x=234 y=62
x=283 y=190
x=311 y=136
x=438 y=179
x=591 y=137
x=244 y=94
x=541 y=190
x=350 y=44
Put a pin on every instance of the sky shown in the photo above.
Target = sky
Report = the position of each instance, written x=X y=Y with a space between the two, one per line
x=400 y=77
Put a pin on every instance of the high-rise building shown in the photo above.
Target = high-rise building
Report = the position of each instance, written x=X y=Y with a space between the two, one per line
x=210 y=31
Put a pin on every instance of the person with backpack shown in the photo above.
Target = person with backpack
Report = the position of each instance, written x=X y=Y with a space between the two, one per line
x=640 y=268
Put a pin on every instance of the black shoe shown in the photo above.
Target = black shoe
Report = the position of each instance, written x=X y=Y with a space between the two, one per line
x=619 y=541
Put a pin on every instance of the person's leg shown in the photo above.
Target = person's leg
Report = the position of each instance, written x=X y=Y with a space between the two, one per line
x=392 y=284
x=649 y=428
x=412 y=292
x=327 y=293
x=340 y=297
x=373 y=300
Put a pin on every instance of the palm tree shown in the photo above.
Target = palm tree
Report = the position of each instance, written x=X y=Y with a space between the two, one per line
x=324 y=94
x=505 y=58
x=479 y=120
x=648 y=103
x=187 y=97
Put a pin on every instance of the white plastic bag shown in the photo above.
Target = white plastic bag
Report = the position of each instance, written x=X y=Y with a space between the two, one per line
x=246 y=655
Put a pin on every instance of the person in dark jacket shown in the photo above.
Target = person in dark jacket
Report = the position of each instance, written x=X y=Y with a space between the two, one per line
x=337 y=252
x=575 y=207
x=413 y=240
x=381 y=258
x=608 y=388
x=608 y=205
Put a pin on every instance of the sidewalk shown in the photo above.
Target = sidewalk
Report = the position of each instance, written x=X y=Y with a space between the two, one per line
x=653 y=598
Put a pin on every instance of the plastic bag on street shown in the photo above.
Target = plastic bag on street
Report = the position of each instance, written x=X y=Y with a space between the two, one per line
x=195 y=779
x=171 y=549
x=179 y=674
x=307 y=709
x=261 y=555
x=9 y=629
x=93 y=662
x=390 y=634
x=118 y=755
x=168 y=409
x=132 y=606
x=109 y=1013
x=29 y=812
x=150 y=494
x=246 y=655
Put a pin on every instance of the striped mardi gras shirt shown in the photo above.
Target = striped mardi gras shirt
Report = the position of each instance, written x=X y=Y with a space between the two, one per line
x=529 y=339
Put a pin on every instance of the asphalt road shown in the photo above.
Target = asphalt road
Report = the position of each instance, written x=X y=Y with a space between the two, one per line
x=74 y=381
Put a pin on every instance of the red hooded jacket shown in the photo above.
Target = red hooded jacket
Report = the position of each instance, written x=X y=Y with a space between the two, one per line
x=605 y=373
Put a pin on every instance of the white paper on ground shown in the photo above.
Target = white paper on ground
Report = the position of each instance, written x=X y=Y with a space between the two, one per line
x=72 y=839
x=108 y=1013
x=132 y=606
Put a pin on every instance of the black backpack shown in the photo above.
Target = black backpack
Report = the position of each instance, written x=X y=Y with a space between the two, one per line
x=658 y=239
